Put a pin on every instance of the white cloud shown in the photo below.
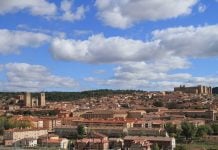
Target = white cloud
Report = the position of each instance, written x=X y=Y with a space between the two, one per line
x=35 y=7
x=189 y=41
x=99 y=49
x=124 y=13
x=139 y=75
x=44 y=8
x=68 y=15
x=26 y=77
x=12 y=41
x=202 y=8
x=172 y=43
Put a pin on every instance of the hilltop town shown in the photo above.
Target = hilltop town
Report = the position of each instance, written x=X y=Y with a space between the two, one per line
x=135 y=120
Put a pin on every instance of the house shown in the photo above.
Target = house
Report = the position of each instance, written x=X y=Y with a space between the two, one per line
x=53 y=141
x=94 y=141
x=11 y=136
x=163 y=142
x=27 y=142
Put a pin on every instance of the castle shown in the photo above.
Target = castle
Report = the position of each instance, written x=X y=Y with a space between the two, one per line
x=30 y=101
x=194 y=90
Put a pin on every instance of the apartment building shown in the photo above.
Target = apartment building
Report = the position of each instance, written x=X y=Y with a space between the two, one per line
x=96 y=141
x=10 y=137
x=51 y=122
x=103 y=114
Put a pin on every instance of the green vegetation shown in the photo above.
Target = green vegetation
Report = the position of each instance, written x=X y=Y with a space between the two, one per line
x=172 y=130
x=11 y=123
x=158 y=104
x=197 y=146
x=172 y=105
x=80 y=131
x=190 y=137
x=214 y=128
x=155 y=147
x=204 y=130
x=188 y=130
x=69 y=96
x=37 y=113
x=180 y=147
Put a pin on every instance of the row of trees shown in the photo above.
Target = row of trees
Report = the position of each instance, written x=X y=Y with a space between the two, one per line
x=190 y=131
x=37 y=113
x=69 y=96
x=11 y=123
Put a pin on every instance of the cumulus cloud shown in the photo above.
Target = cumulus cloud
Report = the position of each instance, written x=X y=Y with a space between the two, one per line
x=27 y=77
x=68 y=15
x=140 y=64
x=144 y=75
x=99 y=49
x=35 y=7
x=44 y=8
x=139 y=75
x=189 y=41
x=172 y=43
x=12 y=41
x=124 y=13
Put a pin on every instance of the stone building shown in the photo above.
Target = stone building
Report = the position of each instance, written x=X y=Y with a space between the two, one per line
x=194 y=90
x=30 y=101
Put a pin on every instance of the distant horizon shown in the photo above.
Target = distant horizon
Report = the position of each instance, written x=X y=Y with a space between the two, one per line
x=141 y=90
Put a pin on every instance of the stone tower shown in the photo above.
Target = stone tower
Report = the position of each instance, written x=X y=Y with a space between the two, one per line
x=42 y=100
x=27 y=99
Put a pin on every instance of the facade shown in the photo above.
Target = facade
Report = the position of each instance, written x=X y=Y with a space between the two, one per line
x=163 y=142
x=136 y=114
x=98 y=114
x=51 y=122
x=12 y=136
x=54 y=142
x=34 y=102
x=96 y=141
x=194 y=90
x=207 y=114
x=27 y=142
x=140 y=145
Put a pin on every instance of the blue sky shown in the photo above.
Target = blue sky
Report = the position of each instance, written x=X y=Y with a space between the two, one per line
x=76 y=45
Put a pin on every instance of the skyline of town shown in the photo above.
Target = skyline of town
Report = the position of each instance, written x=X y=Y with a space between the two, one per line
x=79 y=45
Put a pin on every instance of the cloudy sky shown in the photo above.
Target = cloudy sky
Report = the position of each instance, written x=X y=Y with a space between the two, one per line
x=76 y=45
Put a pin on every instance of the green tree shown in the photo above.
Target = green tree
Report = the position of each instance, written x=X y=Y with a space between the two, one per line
x=155 y=147
x=171 y=129
x=172 y=105
x=158 y=104
x=180 y=147
x=188 y=130
x=203 y=130
x=3 y=124
x=215 y=128
x=81 y=131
